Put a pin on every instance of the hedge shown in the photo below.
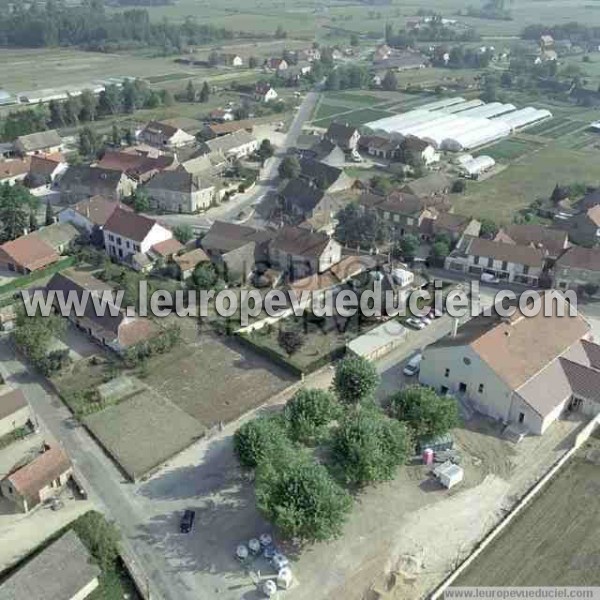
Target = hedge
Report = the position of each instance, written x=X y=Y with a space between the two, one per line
x=21 y=282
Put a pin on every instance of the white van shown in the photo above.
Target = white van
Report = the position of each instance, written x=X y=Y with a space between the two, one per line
x=489 y=278
x=413 y=365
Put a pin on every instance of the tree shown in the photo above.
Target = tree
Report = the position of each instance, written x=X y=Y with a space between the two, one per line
x=368 y=446
x=458 y=186
x=141 y=200
x=390 y=81
x=355 y=379
x=49 y=218
x=129 y=138
x=441 y=249
x=33 y=335
x=252 y=62
x=166 y=97
x=190 y=92
x=100 y=537
x=204 y=276
x=357 y=228
x=291 y=341
x=280 y=33
x=183 y=233
x=33 y=224
x=302 y=500
x=89 y=106
x=115 y=135
x=409 y=245
x=289 y=168
x=488 y=229
x=90 y=143
x=380 y=184
x=490 y=88
x=265 y=149
x=205 y=92
x=309 y=412
x=15 y=206
x=424 y=411
x=260 y=441
x=354 y=41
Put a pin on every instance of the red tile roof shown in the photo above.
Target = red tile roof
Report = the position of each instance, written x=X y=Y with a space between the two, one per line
x=167 y=247
x=136 y=331
x=28 y=252
x=28 y=480
x=14 y=168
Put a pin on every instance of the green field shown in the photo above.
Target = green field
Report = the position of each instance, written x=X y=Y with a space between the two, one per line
x=533 y=176
x=509 y=149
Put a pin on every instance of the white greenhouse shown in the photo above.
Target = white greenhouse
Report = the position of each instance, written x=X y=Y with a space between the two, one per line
x=457 y=125
x=476 y=166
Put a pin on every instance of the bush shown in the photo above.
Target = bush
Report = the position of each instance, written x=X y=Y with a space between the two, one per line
x=302 y=500
x=355 y=379
x=424 y=411
x=290 y=341
x=260 y=441
x=368 y=446
x=309 y=412
x=100 y=537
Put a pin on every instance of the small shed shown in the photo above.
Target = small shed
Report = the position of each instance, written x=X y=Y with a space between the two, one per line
x=379 y=341
x=449 y=474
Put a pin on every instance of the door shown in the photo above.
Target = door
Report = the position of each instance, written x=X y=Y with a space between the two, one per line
x=462 y=388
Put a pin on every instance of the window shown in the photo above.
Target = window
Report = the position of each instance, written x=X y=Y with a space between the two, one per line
x=490 y=262
x=136 y=247
x=409 y=221
x=127 y=243
x=525 y=269
x=480 y=388
x=119 y=241
x=467 y=360
x=447 y=373
x=111 y=237
x=462 y=387
x=504 y=265
x=521 y=417
x=476 y=260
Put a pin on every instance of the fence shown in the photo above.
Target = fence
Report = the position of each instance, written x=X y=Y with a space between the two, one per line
x=581 y=438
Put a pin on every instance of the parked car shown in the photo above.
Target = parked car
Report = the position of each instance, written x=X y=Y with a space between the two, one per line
x=489 y=278
x=187 y=521
x=413 y=366
x=435 y=313
x=416 y=323
x=426 y=319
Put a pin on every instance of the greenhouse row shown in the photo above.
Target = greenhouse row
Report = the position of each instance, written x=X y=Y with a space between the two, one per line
x=455 y=124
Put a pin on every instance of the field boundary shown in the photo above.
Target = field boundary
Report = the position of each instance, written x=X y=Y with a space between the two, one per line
x=580 y=439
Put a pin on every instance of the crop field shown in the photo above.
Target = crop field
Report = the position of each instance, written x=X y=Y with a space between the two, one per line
x=509 y=149
x=554 y=541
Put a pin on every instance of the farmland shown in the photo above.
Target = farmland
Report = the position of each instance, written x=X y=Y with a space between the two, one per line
x=557 y=534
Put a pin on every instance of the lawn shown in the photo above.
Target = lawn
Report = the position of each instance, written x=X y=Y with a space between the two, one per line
x=355 y=117
x=533 y=176
x=143 y=432
x=556 y=535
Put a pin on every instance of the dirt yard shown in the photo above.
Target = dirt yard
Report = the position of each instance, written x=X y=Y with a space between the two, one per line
x=213 y=378
x=558 y=533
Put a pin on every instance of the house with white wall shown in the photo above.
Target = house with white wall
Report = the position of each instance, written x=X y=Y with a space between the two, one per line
x=525 y=371
x=127 y=233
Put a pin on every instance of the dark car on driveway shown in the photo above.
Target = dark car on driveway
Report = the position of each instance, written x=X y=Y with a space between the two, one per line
x=187 y=521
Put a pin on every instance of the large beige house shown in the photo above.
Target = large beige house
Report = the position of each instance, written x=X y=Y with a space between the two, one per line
x=523 y=371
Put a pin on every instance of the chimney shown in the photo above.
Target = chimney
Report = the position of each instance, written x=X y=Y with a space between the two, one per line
x=454 y=327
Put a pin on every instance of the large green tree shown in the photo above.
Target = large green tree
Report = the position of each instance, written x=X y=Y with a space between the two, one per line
x=424 y=411
x=359 y=228
x=16 y=204
x=289 y=168
x=259 y=441
x=368 y=446
x=355 y=379
x=309 y=412
x=302 y=500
